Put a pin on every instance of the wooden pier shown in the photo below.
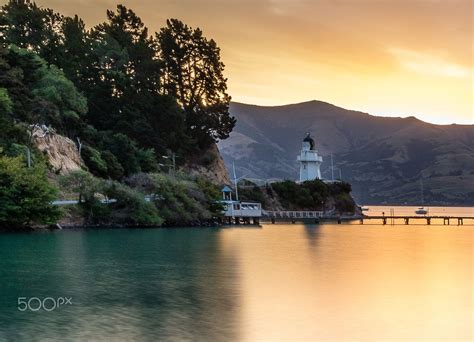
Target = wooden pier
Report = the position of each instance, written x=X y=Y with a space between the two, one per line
x=428 y=219
x=316 y=217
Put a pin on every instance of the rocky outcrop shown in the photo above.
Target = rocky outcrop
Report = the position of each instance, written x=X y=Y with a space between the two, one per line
x=209 y=165
x=61 y=152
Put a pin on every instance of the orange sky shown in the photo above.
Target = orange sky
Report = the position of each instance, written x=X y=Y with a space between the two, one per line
x=385 y=57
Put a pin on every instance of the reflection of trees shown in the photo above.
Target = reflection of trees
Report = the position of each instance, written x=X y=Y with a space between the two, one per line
x=161 y=284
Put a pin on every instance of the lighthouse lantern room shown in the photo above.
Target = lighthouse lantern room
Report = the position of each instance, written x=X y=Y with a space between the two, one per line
x=309 y=160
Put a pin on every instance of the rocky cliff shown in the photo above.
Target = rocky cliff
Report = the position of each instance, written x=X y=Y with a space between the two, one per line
x=61 y=152
x=209 y=165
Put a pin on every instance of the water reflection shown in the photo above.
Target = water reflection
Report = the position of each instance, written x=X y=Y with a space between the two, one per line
x=312 y=234
x=125 y=286
x=281 y=282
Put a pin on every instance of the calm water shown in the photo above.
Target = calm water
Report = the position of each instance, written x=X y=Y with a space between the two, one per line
x=433 y=211
x=279 y=282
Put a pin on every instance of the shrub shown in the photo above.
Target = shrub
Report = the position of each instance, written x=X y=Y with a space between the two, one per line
x=85 y=186
x=253 y=194
x=147 y=160
x=114 y=168
x=312 y=195
x=344 y=203
x=131 y=206
x=93 y=160
x=183 y=201
x=25 y=194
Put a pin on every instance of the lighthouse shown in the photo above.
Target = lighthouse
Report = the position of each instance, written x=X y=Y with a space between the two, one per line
x=309 y=160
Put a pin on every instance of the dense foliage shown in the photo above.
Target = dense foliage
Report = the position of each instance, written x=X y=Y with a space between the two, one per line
x=25 y=194
x=194 y=76
x=252 y=193
x=314 y=195
x=128 y=96
x=309 y=195
x=144 y=199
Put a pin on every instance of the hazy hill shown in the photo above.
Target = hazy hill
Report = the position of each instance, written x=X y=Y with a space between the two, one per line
x=384 y=158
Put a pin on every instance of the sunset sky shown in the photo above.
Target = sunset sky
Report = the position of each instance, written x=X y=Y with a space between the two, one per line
x=385 y=57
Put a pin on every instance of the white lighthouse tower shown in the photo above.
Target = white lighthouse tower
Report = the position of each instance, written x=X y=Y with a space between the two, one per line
x=309 y=160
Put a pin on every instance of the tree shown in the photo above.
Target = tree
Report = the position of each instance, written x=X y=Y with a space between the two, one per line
x=15 y=77
x=8 y=131
x=80 y=182
x=74 y=57
x=66 y=104
x=125 y=29
x=25 y=195
x=28 y=26
x=193 y=74
x=40 y=93
x=114 y=168
x=5 y=103
x=114 y=86
x=86 y=186
x=123 y=64
x=93 y=159
x=123 y=85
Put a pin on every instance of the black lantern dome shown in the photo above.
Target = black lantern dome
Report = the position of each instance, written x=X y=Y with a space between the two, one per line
x=310 y=140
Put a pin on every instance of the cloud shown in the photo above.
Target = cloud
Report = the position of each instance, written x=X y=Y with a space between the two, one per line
x=428 y=64
x=283 y=7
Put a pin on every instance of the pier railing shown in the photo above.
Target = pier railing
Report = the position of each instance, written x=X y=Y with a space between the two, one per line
x=293 y=214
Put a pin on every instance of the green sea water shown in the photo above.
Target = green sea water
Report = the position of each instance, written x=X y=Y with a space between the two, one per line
x=277 y=282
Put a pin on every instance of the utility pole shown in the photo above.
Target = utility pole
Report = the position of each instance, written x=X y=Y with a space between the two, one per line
x=28 y=156
x=172 y=167
x=340 y=174
x=174 y=163
x=236 y=183
x=332 y=169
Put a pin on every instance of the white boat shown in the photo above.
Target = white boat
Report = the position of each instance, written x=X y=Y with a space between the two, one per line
x=421 y=210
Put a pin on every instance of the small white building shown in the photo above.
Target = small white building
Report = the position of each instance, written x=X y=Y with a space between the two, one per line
x=309 y=160
x=237 y=209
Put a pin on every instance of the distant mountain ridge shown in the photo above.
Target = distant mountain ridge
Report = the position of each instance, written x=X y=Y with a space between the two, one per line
x=384 y=158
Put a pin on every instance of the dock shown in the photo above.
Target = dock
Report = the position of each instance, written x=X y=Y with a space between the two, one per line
x=317 y=217
x=427 y=219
